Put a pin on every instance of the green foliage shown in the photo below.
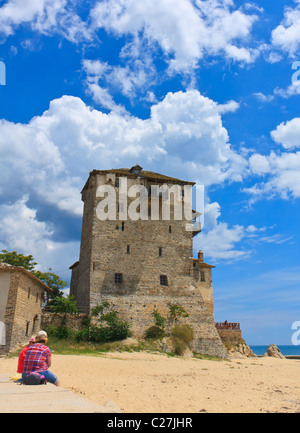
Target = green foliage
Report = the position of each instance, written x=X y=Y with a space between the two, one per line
x=61 y=332
x=15 y=259
x=177 y=311
x=159 y=320
x=110 y=327
x=53 y=281
x=66 y=305
x=154 y=332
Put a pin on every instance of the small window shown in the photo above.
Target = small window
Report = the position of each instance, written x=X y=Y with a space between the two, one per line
x=163 y=280
x=202 y=276
x=28 y=293
x=37 y=297
x=170 y=229
x=123 y=226
x=118 y=278
x=160 y=251
x=128 y=249
x=117 y=182
x=27 y=329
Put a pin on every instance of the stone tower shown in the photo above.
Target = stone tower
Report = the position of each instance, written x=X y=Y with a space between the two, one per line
x=140 y=255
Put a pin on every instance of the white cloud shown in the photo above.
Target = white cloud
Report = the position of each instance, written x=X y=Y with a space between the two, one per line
x=282 y=172
x=21 y=231
x=286 y=36
x=292 y=90
x=184 y=30
x=217 y=239
x=53 y=154
x=288 y=133
x=219 y=243
x=128 y=80
x=44 y=16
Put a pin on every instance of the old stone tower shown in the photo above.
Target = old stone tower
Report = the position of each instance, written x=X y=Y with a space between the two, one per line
x=141 y=264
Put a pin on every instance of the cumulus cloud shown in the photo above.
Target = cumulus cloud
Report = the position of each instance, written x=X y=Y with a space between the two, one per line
x=184 y=30
x=288 y=133
x=286 y=36
x=54 y=152
x=218 y=239
x=20 y=230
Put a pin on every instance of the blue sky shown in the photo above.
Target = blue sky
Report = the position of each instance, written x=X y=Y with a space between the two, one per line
x=200 y=90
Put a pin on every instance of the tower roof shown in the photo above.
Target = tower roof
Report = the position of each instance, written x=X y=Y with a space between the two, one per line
x=137 y=171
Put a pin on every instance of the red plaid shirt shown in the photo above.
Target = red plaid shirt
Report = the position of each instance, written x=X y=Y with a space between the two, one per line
x=35 y=358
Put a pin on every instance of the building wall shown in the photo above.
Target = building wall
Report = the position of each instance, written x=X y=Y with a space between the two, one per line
x=23 y=310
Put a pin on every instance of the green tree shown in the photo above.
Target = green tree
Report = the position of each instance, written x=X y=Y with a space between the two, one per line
x=15 y=259
x=66 y=305
x=53 y=281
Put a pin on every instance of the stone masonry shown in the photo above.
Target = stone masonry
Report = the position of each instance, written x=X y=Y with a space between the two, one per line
x=21 y=299
x=139 y=265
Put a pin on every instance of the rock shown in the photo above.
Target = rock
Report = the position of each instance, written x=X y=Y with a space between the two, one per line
x=274 y=352
x=166 y=345
x=187 y=353
x=240 y=351
x=130 y=342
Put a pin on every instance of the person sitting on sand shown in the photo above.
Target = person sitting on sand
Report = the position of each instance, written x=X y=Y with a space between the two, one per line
x=22 y=355
x=38 y=359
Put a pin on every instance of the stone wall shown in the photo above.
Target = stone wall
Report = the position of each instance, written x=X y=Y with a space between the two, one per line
x=72 y=321
x=231 y=337
x=23 y=310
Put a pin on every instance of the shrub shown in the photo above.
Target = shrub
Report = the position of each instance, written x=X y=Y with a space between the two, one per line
x=154 y=332
x=181 y=335
x=179 y=346
x=184 y=332
x=110 y=328
x=61 y=332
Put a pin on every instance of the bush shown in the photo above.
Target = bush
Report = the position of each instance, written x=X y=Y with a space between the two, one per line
x=183 y=332
x=181 y=335
x=111 y=327
x=154 y=332
x=179 y=346
x=61 y=332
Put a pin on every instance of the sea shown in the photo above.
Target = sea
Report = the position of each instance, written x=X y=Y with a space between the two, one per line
x=285 y=350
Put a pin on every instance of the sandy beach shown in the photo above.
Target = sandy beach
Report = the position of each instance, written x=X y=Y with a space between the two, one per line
x=143 y=382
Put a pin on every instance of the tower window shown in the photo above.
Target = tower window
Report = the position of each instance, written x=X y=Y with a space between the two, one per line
x=160 y=251
x=27 y=329
x=123 y=226
x=163 y=280
x=170 y=229
x=118 y=278
x=128 y=249
x=202 y=276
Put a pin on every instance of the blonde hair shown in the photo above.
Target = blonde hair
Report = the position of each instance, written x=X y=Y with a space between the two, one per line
x=41 y=339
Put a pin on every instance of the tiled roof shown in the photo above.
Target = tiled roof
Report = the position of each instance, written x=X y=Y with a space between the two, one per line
x=7 y=267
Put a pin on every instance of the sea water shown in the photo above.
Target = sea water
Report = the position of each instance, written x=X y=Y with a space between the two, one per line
x=285 y=350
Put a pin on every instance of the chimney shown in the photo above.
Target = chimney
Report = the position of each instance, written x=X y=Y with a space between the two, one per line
x=200 y=256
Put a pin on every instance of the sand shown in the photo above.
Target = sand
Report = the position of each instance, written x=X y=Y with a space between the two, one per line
x=143 y=382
